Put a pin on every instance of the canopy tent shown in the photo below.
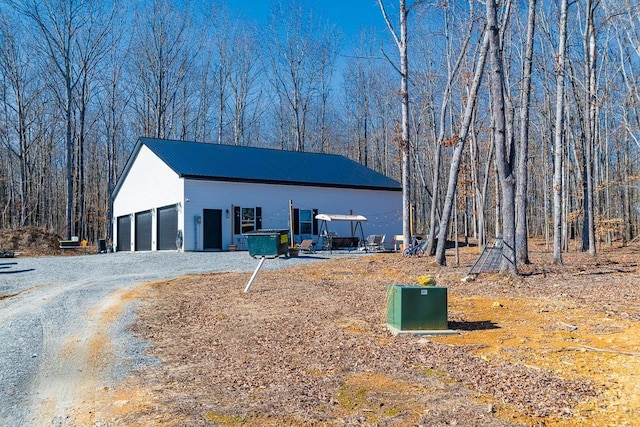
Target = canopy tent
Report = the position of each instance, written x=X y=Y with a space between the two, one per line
x=340 y=217
x=331 y=241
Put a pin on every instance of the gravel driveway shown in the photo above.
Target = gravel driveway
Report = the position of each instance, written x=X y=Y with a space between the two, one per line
x=57 y=345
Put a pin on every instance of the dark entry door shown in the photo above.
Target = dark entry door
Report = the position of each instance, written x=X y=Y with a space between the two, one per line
x=167 y=227
x=212 y=229
x=124 y=233
x=143 y=231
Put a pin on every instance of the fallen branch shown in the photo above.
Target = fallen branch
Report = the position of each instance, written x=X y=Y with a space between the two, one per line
x=568 y=326
x=601 y=350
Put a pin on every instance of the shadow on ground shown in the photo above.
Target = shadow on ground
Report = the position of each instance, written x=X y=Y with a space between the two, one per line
x=479 y=325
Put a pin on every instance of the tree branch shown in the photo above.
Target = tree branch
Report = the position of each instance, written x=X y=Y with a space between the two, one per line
x=389 y=24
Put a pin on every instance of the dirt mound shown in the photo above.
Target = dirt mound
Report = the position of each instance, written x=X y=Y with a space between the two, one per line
x=30 y=241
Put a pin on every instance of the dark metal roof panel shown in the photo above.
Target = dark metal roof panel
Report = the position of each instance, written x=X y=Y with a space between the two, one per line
x=237 y=163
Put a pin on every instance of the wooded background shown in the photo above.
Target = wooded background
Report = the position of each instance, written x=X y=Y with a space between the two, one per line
x=81 y=80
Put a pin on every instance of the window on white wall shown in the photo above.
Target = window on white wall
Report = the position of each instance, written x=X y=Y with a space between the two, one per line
x=246 y=219
x=306 y=221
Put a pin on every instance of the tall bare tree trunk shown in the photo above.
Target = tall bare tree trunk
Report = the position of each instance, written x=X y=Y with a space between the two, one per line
x=15 y=81
x=591 y=126
x=504 y=152
x=433 y=208
x=457 y=152
x=522 y=248
x=446 y=99
x=405 y=148
x=558 y=136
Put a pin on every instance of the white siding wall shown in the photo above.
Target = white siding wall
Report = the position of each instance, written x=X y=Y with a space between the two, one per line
x=383 y=209
x=150 y=184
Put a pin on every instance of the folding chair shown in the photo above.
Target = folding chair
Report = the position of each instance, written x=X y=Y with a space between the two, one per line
x=307 y=245
x=380 y=246
x=374 y=242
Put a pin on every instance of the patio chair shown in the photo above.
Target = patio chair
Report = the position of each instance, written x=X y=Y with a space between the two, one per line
x=381 y=243
x=327 y=239
x=307 y=245
x=375 y=242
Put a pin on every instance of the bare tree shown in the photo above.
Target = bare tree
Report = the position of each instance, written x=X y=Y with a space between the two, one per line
x=72 y=35
x=460 y=140
x=58 y=23
x=301 y=58
x=590 y=123
x=224 y=53
x=14 y=72
x=73 y=101
x=327 y=56
x=92 y=46
x=522 y=239
x=558 y=136
x=113 y=106
x=504 y=152
x=359 y=80
x=453 y=69
x=245 y=95
x=163 y=59
x=401 y=39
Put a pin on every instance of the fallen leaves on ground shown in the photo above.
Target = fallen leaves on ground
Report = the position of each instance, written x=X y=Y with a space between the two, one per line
x=308 y=346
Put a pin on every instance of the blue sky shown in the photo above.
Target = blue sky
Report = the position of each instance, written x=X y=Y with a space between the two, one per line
x=349 y=15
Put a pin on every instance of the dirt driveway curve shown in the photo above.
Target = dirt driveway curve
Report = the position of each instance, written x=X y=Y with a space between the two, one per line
x=63 y=326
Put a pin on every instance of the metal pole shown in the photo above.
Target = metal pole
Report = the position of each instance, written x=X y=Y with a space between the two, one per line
x=254 y=274
x=455 y=216
x=195 y=232
x=411 y=220
x=351 y=223
x=292 y=242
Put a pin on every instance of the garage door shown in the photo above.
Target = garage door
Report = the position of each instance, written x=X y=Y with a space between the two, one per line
x=167 y=227
x=143 y=231
x=124 y=233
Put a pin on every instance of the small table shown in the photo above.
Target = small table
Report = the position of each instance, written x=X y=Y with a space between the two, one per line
x=242 y=243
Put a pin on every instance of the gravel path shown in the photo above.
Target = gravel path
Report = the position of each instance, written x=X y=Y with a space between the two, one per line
x=63 y=324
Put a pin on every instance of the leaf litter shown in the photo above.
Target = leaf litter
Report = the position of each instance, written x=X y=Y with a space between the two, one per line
x=308 y=346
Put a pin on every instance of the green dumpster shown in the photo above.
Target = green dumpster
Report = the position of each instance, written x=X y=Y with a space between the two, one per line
x=268 y=243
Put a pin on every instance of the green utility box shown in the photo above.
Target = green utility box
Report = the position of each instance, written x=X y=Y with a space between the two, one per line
x=417 y=308
x=268 y=243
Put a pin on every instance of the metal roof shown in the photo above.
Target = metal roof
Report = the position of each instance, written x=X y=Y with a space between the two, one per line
x=197 y=160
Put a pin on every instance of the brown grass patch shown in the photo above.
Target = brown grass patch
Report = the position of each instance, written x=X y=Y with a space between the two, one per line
x=307 y=346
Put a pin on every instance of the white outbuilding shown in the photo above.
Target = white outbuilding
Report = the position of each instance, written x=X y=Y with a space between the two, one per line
x=178 y=195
